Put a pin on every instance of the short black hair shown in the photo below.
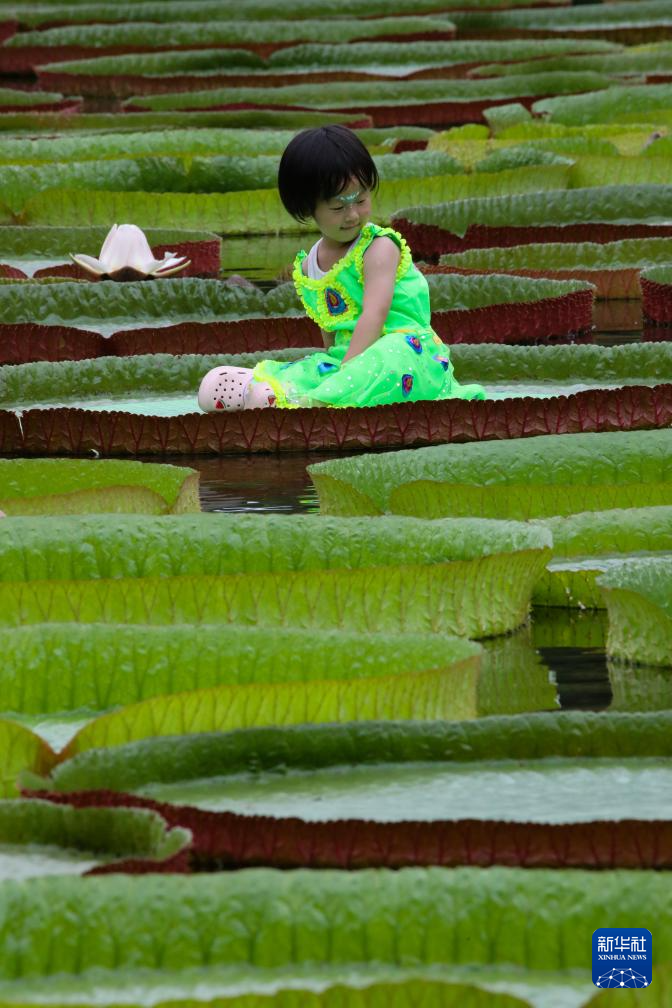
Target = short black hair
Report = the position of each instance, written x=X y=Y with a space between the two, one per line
x=318 y=164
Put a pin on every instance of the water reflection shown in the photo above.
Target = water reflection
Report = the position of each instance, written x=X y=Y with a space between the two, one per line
x=269 y=484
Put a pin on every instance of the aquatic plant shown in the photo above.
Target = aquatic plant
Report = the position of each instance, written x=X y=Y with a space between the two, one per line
x=534 y=477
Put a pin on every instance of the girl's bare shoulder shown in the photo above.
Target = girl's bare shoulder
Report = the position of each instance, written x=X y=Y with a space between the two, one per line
x=383 y=251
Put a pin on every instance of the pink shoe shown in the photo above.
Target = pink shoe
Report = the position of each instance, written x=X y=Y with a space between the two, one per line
x=223 y=388
x=258 y=395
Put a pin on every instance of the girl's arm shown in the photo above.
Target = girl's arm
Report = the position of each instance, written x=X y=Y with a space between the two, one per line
x=380 y=272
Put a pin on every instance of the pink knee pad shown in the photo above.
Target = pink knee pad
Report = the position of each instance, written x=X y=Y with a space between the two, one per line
x=258 y=395
x=223 y=388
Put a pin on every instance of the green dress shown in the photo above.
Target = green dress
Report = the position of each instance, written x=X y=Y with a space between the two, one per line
x=408 y=362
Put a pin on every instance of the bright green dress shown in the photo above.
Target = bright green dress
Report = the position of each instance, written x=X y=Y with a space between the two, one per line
x=408 y=362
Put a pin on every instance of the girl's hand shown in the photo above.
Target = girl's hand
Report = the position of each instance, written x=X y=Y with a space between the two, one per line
x=381 y=260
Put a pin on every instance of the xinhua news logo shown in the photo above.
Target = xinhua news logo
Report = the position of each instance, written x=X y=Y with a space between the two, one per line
x=622 y=957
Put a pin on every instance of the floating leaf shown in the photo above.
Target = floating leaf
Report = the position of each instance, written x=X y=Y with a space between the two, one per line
x=261 y=211
x=173 y=928
x=397 y=994
x=600 y=171
x=642 y=19
x=446 y=692
x=612 y=105
x=613 y=267
x=163 y=374
x=575 y=734
x=42 y=838
x=60 y=667
x=172 y=174
x=74 y=486
x=21 y=750
x=535 y=477
x=585 y=545
x=637 y=593
x=111 y=306
x=470 y=577
x=609 y=204
x=10 y=97
x=207 y=10
x=429 y=53
x=354 y=94
x=651 y=59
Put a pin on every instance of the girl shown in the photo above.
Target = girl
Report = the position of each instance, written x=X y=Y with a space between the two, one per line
x=359 y=284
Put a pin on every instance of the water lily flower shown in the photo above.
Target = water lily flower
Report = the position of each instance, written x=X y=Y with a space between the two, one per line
x=126 y=255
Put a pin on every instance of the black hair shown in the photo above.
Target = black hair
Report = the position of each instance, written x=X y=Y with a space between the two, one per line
x=318 y=163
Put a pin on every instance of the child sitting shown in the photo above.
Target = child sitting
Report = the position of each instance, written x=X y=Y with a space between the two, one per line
x=359 y=284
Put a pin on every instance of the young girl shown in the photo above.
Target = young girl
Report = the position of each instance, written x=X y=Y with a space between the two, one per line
x=359 y=284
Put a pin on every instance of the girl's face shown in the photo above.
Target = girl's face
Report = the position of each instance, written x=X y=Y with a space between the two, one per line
x=342 y=217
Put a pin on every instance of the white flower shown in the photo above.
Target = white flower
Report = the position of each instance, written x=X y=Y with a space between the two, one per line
x=126 y=255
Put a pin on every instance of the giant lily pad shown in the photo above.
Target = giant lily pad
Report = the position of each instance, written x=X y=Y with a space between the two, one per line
x=64 y=668
x=470 y=577
x=657 y=294
x=596 y=214
x=204 y=316
x=206 y=10
x=399 y=993
x=42 y=101
x=260 y=211
x=637 y=593
x=429 y=52
x=613 y=267
x=21 y=750
x=573 y=735
x=626 y=22
x=171 y=929
x=528 y=478
x=42 y=838
x=392 y=815
x=506 y=371
x=67 y=430
x=585 y=545
x=650 y=60
x=612 y=105
x=74 y=486
x=388 y=103
x=221 y=174
x=30 y=123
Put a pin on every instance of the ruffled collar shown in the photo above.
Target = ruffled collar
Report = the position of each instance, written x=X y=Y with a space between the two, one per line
x=300 y=277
